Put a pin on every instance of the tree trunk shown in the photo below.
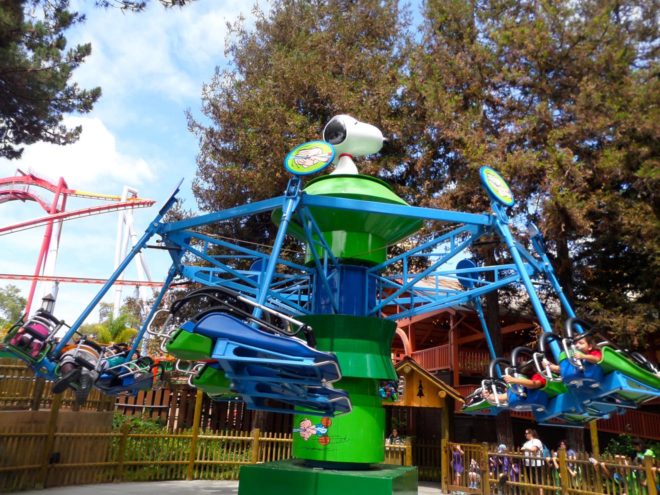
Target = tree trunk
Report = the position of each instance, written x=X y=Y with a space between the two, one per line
x=260 y=420
x=504 y=428
x=564 y=269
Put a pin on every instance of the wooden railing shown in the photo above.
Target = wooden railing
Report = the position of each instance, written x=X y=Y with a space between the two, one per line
x=475 y=469
x=433 y=358
x=473 y=362
x=439 y=358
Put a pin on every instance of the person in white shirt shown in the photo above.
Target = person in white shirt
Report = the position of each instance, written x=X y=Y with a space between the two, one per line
x=533 y=449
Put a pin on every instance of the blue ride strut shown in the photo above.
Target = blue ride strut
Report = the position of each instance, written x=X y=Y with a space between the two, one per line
x=501 y=224
x=484 y=326
x=148 y=234
x=154 y=307
x=291 y=201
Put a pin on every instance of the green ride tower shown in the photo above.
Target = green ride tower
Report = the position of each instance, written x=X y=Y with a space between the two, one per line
x=342 y=454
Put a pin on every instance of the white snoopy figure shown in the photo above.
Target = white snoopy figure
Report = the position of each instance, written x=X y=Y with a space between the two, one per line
x=351 y=138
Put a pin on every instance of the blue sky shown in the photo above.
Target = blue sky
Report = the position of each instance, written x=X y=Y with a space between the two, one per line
x=151 y=67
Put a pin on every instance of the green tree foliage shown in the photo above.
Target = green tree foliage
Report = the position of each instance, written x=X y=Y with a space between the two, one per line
x=303 y=63
x=561 y=97
x=139 y=5
x=35 y=71
x=110 y=329
x=12 y=305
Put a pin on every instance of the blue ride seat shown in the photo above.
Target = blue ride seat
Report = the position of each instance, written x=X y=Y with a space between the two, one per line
x=111 y=386
x=266 y=368
x=236 y=342
x=590 y=376
x=131 y=376
x=571 y=408
x=535 y=400
x=315 y=401
x=622 y=391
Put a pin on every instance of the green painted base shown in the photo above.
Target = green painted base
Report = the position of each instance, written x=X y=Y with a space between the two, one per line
x=291 y=477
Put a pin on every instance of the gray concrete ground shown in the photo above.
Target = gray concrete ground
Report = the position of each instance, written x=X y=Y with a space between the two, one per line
x=175 y=488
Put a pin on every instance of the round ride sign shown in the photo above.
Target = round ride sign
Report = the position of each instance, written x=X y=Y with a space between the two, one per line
x=309 y=158
x=496 y=186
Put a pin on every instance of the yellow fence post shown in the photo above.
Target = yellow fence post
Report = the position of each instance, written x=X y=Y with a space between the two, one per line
x=121 y=452
x=650 y=476
x=37 y=393
x=485 y=472
x=50 y=439
x=593 y=431
x=195 y=433
x=563 y=471
x=256 y=433
x=408 y=457
x=444 y=464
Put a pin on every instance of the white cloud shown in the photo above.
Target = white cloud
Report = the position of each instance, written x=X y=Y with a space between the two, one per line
x=92 y=162
x=159 y=51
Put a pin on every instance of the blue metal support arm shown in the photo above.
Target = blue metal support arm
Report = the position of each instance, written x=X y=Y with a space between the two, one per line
x=219 y=216
x=181 y=238
x=451 y=236
x=398 y=210
x=320 y=272
x=308 y=217
x=484 y=326
x=207 y=276
x=154 y=307
x=148 y=234
x=453 y=300
x=505 y=233
x=409 y=284
x=546 y=266
x=291 y=201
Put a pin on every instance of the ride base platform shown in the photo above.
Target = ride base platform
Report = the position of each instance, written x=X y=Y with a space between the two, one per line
x=293 y=477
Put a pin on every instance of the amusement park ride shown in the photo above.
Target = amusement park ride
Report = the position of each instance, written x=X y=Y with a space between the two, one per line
x=309 y=337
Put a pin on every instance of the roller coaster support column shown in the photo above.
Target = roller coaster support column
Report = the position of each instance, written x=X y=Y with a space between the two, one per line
x=148 y=234
x=43 y=253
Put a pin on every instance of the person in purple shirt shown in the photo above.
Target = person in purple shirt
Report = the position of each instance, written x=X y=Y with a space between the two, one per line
x=457 y=463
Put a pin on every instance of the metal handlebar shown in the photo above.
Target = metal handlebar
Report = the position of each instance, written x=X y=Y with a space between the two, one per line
x=569 y=348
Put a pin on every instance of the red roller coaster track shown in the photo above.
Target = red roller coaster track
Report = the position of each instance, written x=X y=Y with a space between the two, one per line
x=78 y=280
x=70 y=215
x=20 y=188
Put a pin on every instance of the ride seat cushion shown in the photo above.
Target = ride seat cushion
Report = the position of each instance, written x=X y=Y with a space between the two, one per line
x=535 y=398
x=37 y=330
x=592 y=372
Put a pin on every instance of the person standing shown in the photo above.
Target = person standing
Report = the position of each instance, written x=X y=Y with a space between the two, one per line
x=457 y=463
x=394 y=438
x=533 y=449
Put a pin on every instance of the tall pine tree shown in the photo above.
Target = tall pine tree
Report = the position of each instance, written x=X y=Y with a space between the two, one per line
x=303 y=63
x=562 y=99
x=35 y=71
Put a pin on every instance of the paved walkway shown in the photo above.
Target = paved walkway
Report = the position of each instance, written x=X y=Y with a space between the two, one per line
x=196 y=487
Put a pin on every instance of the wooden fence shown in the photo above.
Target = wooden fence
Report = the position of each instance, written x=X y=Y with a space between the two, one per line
x=475 y=469
x=39 y=460
x=20 y=390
